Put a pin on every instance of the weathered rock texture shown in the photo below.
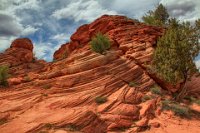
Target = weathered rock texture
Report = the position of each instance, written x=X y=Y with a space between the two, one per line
x=62 y=95
x=20 y=58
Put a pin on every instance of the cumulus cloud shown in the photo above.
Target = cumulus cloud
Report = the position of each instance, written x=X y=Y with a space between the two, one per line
x=29 y=30
x=5 y=42
x=82 y=10
x=19 y=4
x=9 y=26
x=130 y=8
x=198 y=64
x=187 y=10
x=61 y=38
x=44 y=50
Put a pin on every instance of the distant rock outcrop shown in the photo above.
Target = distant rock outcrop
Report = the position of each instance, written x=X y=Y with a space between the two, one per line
x=20 y=51
x=20 y=58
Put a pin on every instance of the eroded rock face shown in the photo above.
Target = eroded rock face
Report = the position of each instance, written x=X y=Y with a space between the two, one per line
x=20 y=51
x=61 y=96
x=20 y=58
x=130 y=36
x=24 y=43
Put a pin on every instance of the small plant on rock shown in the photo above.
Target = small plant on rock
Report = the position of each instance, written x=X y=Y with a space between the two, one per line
x=4 y=75
x=133 y=84
x=27 y=79
x=192 y=99
x=146 y=98
x=156 y=90
x=64 y=55
x=47 y=86
x=100 y=43
x=48 y=126
x=73 y=127
x=3 y=121
x=100 y=100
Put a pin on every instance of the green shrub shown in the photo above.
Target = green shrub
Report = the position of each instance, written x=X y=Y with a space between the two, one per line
x=100 y=100
x=156 y=90
x=48 y=126
x=146 y=98
x=43 y=132
x=73 y=127
x=27 y=79
x=197 y=101
x=44 y=94
x=166 y=104
x=64 y=55
x=133 y=84
x=100 y=43
x=192 y=99
x=3 y=121
x=47 y=86
x=4 y=75
x=178 y=109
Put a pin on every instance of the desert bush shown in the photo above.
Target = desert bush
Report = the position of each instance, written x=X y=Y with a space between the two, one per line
x=178 y=109
x=48 y=126
x=47 y=86
x=44 y=94
x=133 y=84
x=3 y=121
x=73 y=127
x=100 y=43
x=156 y=90
x=146 y=98
x=197 y=101
x=64 y=55
x=100 y=100
x=192 y=99
x=27 y=79
x=4 y=75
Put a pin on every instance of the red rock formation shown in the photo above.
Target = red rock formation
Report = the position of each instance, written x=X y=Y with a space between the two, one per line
x=123 y=32
x=24 y=43
x=61 y=96
x=20 y=51
x=19 y=57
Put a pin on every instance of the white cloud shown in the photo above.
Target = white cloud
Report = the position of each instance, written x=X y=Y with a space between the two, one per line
x=198 y=64
x=28 y=30
x=61 y=38
x=9 y=25
x=5 y=42
x=187 y=10
x=13 y=5
x=130 y=8
x=42 y=50
x=82 y=10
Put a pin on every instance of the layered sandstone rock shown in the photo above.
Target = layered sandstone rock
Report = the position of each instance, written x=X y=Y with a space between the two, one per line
x=20 y=51
x=61 y=97
x=20 y=58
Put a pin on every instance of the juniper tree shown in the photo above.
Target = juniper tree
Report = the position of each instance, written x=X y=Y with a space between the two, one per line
x=175 y=53
x=158 y=17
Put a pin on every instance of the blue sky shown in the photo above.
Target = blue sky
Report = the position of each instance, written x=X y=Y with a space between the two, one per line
x=50 y=23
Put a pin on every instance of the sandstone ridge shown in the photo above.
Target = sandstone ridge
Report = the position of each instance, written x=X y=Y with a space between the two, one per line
x=65 y=95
